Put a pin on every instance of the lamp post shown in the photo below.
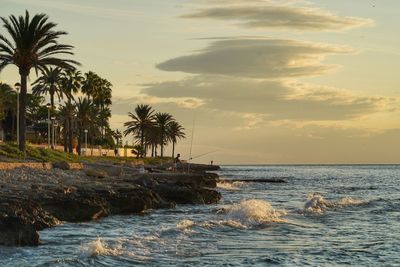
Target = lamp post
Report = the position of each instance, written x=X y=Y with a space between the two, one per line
x=17 y=88
x=86 y=132
x=48 y=124
x=52 y=142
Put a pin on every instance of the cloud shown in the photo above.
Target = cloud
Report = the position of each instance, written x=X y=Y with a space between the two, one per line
x=269 y=15
x=275 y=100
x=257 y=58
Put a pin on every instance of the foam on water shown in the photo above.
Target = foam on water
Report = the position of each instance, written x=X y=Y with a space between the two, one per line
x=185 y=224
x=226 y=185
x=251 y=213
x=317 y=204
x=98 y=247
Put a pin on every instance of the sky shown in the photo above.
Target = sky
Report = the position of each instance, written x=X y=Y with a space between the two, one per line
x=252 y=82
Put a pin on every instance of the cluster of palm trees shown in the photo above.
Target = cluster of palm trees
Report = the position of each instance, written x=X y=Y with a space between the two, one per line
x=33 y=44
x=153 y=130
x=90 y=112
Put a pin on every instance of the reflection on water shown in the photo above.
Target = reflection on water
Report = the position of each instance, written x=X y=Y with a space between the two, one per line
x=324 y=215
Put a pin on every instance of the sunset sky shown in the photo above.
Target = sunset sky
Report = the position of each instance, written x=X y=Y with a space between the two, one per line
x=261 y=81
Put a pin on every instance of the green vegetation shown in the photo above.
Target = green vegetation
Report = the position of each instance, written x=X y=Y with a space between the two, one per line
x=153 y=130
x=33 y=44
x=37 y=154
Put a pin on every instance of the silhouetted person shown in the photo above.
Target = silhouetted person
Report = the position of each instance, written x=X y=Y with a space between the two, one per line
x=176 y=162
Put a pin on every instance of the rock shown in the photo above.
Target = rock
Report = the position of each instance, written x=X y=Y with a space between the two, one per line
x=14 y=231
x=95 y=173
x=187 y=195
x=110 y=170
x=63 y=165
x=35 y=199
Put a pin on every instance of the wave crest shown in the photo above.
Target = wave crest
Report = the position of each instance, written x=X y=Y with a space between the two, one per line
x=98 y=247
x=317 y=204
x=226 y=185
x=250 y=213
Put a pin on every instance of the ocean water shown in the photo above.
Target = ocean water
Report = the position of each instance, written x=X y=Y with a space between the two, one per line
x=322 y=216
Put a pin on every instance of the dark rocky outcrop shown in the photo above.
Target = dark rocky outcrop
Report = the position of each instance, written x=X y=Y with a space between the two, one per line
x=33 y=199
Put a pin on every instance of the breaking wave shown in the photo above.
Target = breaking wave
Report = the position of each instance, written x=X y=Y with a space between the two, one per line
x=250 y=213
x=98 y=247
x=317 y=204
x=226 y=185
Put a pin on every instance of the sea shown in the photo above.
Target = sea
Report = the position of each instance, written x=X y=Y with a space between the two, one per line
x=322 y=216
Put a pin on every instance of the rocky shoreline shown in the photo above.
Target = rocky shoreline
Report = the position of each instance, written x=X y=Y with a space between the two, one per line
x=34 y=199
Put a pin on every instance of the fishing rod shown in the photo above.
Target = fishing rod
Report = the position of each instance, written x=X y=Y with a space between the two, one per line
x=202 y=155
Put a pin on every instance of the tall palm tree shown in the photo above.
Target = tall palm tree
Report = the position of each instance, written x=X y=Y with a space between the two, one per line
x=117 y=134
x=67 y=112
x=85 y=118
x=175 y=131
x=142 y=120
x=90 y=84
x=163 y=120
x=49 y=83
x=33 y=44
x=71 y=83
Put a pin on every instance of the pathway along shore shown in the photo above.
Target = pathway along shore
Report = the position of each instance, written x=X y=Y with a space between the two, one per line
x=34 y=199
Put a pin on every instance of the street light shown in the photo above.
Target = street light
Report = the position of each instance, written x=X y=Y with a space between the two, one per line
x=17 y=87
x=52 y=143
x=86 y=131
x=48 y=123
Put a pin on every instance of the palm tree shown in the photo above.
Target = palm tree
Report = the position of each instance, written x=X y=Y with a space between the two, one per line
x=163 y=120
x=118 y=136
x=90 y=84
x=175 y=131
x=67 y=112
x=49 y=83
x=84 y=117
x=141 y=121
x=71 y=83
x=33 y=44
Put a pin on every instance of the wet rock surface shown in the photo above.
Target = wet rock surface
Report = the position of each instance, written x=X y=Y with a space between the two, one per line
x=34 y=199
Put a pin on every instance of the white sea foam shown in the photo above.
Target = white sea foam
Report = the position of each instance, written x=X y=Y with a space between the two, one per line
x=98 y=247
x=185 y=224
x=317 y=204
x=226 y=185
x=250 y=213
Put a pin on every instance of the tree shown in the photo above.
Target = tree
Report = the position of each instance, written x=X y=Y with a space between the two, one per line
x=33 y=44
x=118 y=137
x=142 y=120
x=175 y=131
x=85 y=117
x=163 y=121
x=71 y=83
x=49 y=83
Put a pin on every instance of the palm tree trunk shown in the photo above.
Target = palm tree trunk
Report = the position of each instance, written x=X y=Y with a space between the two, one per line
x=141 y=141
x=70 y=135
x=22 y=112
x=79 y=142
x=66 y=135
x=162 y=143
x=173 y=149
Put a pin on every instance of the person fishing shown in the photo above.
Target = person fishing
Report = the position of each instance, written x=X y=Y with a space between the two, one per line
x=176 y=162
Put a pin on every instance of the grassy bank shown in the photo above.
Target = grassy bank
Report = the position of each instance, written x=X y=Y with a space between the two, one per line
x=9 y=152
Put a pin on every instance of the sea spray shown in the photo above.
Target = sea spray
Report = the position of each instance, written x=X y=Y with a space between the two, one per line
x=227 y=185
x=251 y=213
x=185 y=224
x=317 y=204
x=98 y=247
